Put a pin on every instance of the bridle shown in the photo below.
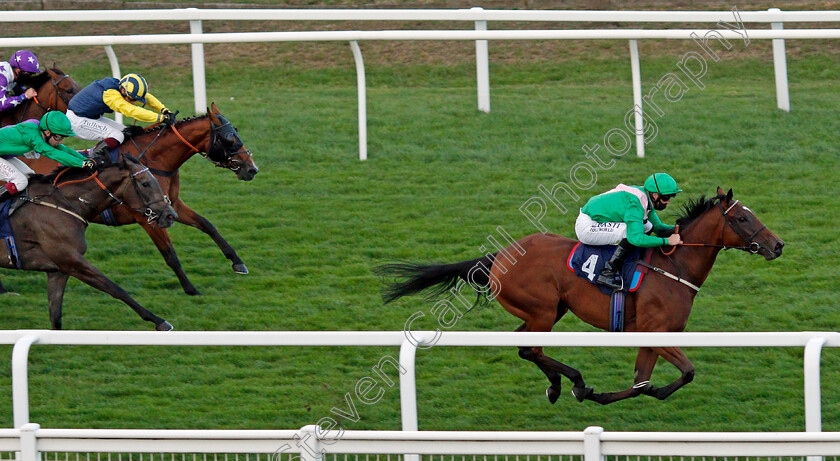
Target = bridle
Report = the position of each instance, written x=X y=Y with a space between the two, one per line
x=217 y=153
x=753 y=247
x=149 y=213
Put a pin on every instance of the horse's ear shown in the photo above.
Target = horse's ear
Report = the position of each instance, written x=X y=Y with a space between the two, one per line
x=214 y=108
x=729 y=196
x=212 y=116
x=720 y=191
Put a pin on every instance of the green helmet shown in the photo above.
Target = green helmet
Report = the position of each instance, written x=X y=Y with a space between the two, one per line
x=662 y=184
x=57 y=123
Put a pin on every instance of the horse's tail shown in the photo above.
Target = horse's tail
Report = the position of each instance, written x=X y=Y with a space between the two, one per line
x=412 y=278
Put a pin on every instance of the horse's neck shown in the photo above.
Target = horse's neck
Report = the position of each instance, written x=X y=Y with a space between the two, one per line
x=173 y=153
x=695 y=262
x=85 y=198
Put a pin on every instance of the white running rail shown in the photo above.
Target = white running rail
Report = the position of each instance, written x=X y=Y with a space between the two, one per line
x=196 y=38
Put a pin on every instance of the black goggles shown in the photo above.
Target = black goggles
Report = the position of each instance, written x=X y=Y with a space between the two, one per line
x=666 y=197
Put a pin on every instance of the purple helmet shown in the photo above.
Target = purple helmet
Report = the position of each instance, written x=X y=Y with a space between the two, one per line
x=25 y=61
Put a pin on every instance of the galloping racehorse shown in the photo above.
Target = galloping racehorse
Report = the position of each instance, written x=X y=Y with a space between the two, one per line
x=539 y=289
x=55 y=89
x=52 y=217
x=164 y=149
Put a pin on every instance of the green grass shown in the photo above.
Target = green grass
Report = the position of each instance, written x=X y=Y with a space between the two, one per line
x=440 y=177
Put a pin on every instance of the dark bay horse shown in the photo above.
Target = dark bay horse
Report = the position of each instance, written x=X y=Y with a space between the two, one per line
x=537 y=287
x=164 y=149
x=50 y=223
x=55 y=89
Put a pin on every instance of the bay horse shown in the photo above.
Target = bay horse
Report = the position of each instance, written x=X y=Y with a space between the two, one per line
x=55 y=90
x=164 y=149
x=53 y=214
x=530 y=281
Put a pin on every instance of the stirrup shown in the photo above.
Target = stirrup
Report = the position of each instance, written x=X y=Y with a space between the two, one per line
x=610 y=280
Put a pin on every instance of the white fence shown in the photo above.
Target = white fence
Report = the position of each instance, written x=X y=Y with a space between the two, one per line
x=481 y=35
x=592 y=444
x=811 y=442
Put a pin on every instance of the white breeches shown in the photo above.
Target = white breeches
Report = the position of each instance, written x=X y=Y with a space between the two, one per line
x=15 y=171
x=96 y=129
x=591 y=232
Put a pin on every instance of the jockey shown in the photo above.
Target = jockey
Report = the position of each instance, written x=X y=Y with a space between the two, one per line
x=108 y=95
x=44 y=138
x=625 y=216
x=22 y=63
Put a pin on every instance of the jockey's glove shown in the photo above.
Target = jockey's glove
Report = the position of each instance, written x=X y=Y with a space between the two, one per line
x=168 y=117
x=89 y=163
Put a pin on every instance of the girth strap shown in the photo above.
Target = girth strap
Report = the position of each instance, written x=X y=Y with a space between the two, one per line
x=670 y=275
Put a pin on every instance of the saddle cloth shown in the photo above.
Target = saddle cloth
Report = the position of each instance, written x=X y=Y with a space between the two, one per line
x=588 y=261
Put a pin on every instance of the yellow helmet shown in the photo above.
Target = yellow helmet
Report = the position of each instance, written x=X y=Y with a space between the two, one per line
x=135 y=87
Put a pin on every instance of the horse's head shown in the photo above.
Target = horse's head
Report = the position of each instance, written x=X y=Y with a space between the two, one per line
x=729 y=224
x=226 y=149
x=63 y=86
x=743 y=228
x=146 y=195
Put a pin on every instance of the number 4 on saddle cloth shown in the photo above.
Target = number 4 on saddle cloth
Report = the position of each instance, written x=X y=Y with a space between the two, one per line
x=588 y=261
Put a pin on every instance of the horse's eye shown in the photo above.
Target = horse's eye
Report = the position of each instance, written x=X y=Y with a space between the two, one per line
x=742 y=219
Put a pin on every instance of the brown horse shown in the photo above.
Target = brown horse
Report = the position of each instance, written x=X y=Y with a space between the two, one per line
x=164 y=149
x=55 y=90
x=53 y=215
x=536 y=287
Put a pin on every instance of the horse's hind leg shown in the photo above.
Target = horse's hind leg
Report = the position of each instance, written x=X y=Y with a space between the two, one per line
x=83 y=270
x=675 y=356
x=56 y=283
x=554 y=371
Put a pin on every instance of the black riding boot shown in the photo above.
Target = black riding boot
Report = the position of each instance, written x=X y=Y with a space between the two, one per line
x=100 y=150
x=610 y=276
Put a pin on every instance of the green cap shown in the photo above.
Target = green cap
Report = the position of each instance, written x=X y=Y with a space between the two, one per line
x=662 y=184
x=57 y=123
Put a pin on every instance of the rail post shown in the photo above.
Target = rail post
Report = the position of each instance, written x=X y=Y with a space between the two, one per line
x=20 y=379
x=780 y=67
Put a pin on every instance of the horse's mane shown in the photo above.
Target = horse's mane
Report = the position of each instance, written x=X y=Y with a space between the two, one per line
x=160 y=126
x=693 y=208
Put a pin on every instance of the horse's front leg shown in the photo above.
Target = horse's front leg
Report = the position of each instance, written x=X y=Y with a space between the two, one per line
x=160 y=237
x=77 y=266
x=645 y=361
x=676 y=357
x=188 y=216
x=56 y=283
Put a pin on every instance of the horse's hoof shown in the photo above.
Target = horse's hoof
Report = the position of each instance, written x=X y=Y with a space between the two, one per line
x=240 y=268
x=553 y=394
x=192 y=292
x=582 y=393
x=165 y=326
